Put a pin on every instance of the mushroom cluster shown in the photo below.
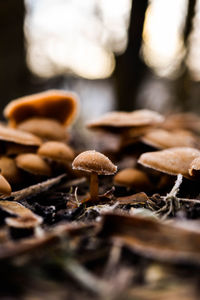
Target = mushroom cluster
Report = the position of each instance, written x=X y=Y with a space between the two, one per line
x=164 y=144
x=35 y=137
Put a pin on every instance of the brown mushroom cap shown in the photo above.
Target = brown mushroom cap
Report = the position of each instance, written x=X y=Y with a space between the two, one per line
x=45 y=128
x=161 y=139
x=55 y=104
x=5 y=187
x=92 y=161
x=9 y=170
x=131 y=177
x=56 y=151
x=172 y=161
x=28 y=221
x=123 y=119
x=18 y=137
x=186 y=120
x=194 y=169
x=33 y=163
x=12 y=149
x=15 y=208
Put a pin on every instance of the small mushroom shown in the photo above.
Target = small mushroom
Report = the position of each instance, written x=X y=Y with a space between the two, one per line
x=121 y=119
x=12 y=149
x=161 y=139
x=28 y=221
x=33 y=164
x=23 y=227
x=9 y=170
x=5 y=187
x=56 y=151
x=54 y=104
x=96 y=164
x=127 y=126
x=194 y=169
x=18 y=137
x=131 y=177
x=172 y=161
x=45 y=128
x=186 y=120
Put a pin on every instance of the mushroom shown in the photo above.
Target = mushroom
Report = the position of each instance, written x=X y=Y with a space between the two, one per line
x=123 y=120
x=161 y=139
x=33 y=163
x=185 y=120
x=96 y=164
x=22 y=227
x=26 y=221
x=172 y=161
x=9 y=170
x=5 y=187
x=56 y=151
x=12 y=149
x=131 y=177
x=53 y=104
x=194 y=169
x=128 y=126
x=18 y=137
x=45 y=128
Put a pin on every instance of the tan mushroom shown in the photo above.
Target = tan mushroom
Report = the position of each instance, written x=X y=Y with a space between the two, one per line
x=24 y=222
x=162 y=139
x=172 y=161
x=120 y=119
x=194 y=169
x=9 y=170
x=45 y=128
x=96 y=164
x=12 y=149
x=5 y=187
x=34 y=164
x=127 y=126
x=186 y=120
x=131 y=177
x=53 y=104
x=18 y=137
x=56 y=151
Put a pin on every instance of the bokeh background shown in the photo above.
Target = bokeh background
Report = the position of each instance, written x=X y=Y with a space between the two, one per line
x=116 y=54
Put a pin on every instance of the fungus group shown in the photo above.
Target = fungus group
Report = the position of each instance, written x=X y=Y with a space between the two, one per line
x=36 y=133
x=35 y=143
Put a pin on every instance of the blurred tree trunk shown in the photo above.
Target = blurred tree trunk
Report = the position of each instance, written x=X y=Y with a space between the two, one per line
x=14 y=74
x=183 y=84
x=129 y=67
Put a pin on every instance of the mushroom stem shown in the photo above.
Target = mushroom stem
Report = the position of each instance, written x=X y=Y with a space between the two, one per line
x=94 y=186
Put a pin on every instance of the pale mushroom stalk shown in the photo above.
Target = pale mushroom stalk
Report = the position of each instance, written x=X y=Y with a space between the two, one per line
x=94 y=186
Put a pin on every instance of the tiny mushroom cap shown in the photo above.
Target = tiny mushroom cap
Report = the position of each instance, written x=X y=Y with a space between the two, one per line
x=194 y=169
x=55 y=104
x=5 y=187
x=161 y=139
x=94 y=162
x=45 y=128
x=172 y=161
x=33 y=163
x=9 y=170
x=12 y=149
x=131 y=177
x=28 y=221
x=121 y=119
x=18 y=137
x=184 y=120
x=56 y=151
